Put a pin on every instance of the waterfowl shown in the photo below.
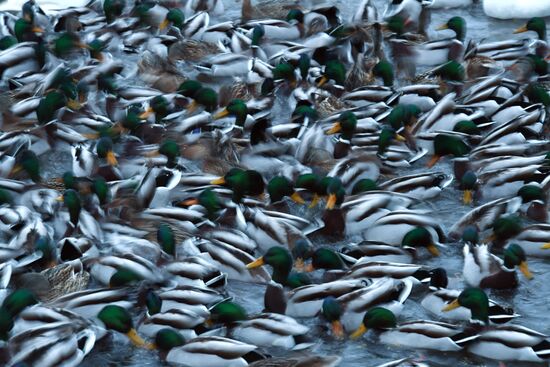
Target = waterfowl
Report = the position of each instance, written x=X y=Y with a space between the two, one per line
x=429 y=335
x=493 y=342
x=509 y=10
x=202 y=351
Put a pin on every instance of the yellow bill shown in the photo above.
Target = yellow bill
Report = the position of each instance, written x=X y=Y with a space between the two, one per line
x=314 y=201
x=297 y=198
x=74 y=104
x=148 y=112
x=331 y=202
x=546 y=246
x=433 y=249
x=218 y=181
x=468 y=197
x=164 y=24
x=137 y=340
x=442 y=27
x=521 y=29
x=336 y=127
x=337 y=329
x=400 y=137
x=111 y=159
x=322 y=82
x=359 y=332
x=524 y=268
x=221 y=114
x=256 y=263
x=451 y=306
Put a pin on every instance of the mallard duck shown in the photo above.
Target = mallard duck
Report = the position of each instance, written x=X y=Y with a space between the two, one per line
x=487 y=271
x=207 y=351
x=435 y=301
x=267 y=329
x=429 y=335
x=494 y=342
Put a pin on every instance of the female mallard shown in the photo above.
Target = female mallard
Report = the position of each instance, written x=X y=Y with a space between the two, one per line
x=431 y=335
x=503 y=343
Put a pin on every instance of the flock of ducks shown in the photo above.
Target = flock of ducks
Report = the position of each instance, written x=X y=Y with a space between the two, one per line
x=291 y=148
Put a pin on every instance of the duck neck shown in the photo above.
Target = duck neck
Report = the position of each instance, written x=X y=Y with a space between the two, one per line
x=424 y=20
x=281 y=273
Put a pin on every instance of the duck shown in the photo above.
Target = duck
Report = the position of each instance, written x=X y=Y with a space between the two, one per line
x=208 y=351
x=482 y=269
x=494 y=342
x=431 y=335
x=264 y=330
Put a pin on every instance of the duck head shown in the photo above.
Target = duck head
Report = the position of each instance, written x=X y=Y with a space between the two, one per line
x=473 y=299
x=166 y=239
x=420 y=237
x=537 y=25
x=279 y=187
x=468 y=183
x=346 y=124
x=448 y=145
x=457 y=25
x=118 y=319
x=236 y=108
x=378 y=318
x=279 y=259
x=174 y=17
x=227 y=313
x=515 y=256
x=332 y=311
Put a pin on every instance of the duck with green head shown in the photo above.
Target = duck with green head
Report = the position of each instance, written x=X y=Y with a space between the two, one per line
x=171 y=150
x=236 y=108
x=505 y=228
x=457 y=25
x=285 y=72
x=403 y=116
x=334 y=70
x=71 y=199
x=385 y=139
x=332 y=311
x=475 y=300
x=279 y=187
x=11 y=307
x=113 y=9
x=24 y=30
x=469 y=184
x=104 y=150
x=27 y=161
x=537 y=25
x=346 y=124
x=159 y=106
x=448 y=145
x=420 y=237
x=119 y=319
x=209 y=200
x=335 y=191
x=384 y=70
x=280 y=259
x=67 y=43
x=312 y=183
x=325 y=258
x=200 y=96
x=242 y=183
x=166 y=239
x=174 y=17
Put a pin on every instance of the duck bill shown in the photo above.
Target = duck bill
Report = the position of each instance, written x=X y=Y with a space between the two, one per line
x=111 y=159
x=59 y=199
x=546 y=246
x=314 y=201
x=524 y=268
x=299 y=264
x=451 y=306
x=337 y=329
x=433 y=249
x=164 y=24
x=192 y=107
x=256 y=263
x=467 y=199
x=74 y=104
x=359 y=332
x=521 y=29
x=322 y=82
x=442 y=27
x=309 y=268
x=145 y=115
x=336 y=128
x=221 y=114
x=331 y=202
x=218 y=181
x=37 y=30
x=433 y=161
x=400 y=137
x=16 y=169
x=137 y=340
x=297 y=198
x=189 y=202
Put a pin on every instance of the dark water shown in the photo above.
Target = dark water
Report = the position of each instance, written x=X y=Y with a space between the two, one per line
x=529 y=300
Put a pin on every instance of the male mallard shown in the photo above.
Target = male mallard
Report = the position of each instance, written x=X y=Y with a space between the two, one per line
x=429 y=335
x=494 y=342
